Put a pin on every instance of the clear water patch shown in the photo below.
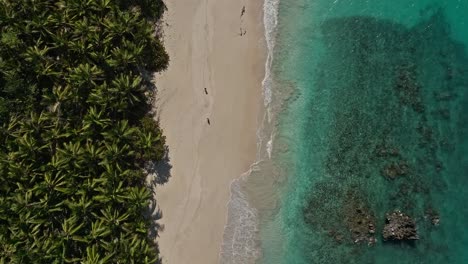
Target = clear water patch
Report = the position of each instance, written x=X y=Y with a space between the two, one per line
x=379 y=126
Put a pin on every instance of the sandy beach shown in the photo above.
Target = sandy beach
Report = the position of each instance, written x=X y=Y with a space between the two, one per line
x=212 y=44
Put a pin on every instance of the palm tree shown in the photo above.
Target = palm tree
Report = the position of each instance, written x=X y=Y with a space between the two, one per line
x=138 y=199
x=93 y=257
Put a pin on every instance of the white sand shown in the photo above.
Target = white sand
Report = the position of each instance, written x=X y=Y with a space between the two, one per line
x=206 y=50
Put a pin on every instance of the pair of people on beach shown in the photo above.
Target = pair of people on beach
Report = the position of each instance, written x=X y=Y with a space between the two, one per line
x=242 y=31
x=207 y=119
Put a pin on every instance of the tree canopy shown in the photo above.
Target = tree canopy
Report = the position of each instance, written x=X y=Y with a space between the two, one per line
x=77 y=130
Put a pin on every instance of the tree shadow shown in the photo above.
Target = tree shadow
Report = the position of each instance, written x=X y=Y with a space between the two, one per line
x=160 y=171
x=154 y=214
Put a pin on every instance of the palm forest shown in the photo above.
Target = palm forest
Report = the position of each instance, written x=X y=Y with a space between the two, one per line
x=78 y=136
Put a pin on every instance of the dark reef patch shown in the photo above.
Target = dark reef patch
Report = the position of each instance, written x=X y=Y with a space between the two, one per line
x=399 y=227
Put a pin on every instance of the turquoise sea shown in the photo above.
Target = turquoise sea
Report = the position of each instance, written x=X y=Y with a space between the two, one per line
x=369 y=114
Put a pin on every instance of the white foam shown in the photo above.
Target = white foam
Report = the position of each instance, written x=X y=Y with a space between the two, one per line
x=240 y=245
x=270 y=22
x=269 y=146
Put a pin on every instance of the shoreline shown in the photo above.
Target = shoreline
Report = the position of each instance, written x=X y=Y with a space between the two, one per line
x=204 y=42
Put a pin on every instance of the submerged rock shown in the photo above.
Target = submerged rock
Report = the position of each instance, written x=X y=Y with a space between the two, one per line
x=394 y=170
x=399 y=227
x=433 y=216
x=408 y=88
x=339 y=238
x=386 y=151
x=439 y=166
x=360 y=220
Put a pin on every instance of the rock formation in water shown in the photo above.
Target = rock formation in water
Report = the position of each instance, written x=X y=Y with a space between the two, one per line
x=399 y=227
x=433 y=216
x=394 y=170
x=359 y=219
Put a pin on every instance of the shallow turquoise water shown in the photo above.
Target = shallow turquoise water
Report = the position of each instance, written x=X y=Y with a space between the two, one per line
x=375 y=84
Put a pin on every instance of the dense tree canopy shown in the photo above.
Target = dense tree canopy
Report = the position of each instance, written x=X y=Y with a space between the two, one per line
x=76 y=130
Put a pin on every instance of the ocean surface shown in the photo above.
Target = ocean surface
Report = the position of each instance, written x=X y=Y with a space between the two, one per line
x=366 y=113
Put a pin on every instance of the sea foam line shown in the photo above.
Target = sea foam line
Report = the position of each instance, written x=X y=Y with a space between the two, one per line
x=240 y=239
x=240 y=243
x=270 y=22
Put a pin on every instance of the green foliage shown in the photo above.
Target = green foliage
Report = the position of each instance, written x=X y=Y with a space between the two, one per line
x=75 y=130
x=150 y=140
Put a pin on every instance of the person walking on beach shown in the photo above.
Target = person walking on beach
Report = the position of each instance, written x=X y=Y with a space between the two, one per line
x=208 y=121
x=206 y=91
x=242 y=32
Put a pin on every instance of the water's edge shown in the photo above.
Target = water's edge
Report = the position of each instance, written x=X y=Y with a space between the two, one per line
x=241 y=242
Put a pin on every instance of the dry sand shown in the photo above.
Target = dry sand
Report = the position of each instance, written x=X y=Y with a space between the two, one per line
x=206 y=50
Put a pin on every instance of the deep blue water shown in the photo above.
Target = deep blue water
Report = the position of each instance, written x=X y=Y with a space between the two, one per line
x=377 y=121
